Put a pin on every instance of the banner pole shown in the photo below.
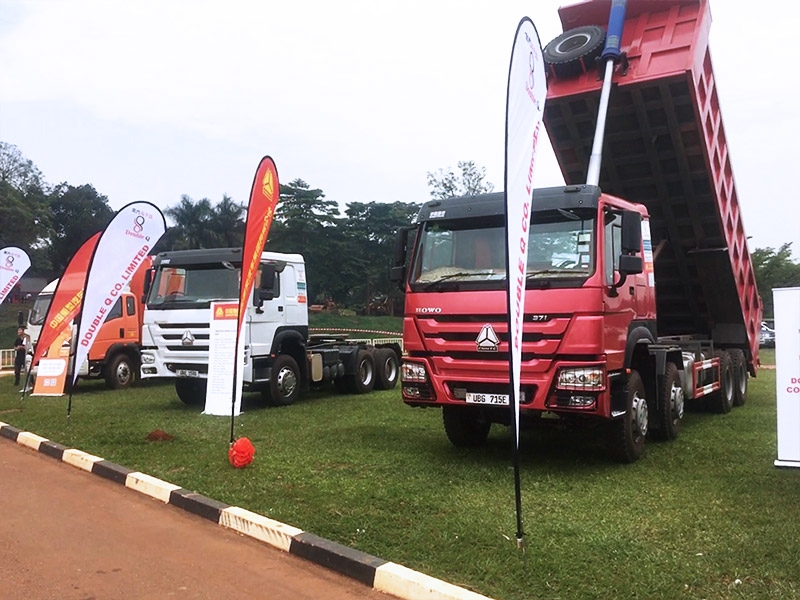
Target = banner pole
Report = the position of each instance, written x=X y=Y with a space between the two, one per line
x=525 y=99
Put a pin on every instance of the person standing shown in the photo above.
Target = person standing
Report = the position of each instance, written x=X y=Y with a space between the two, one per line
x=21 y=347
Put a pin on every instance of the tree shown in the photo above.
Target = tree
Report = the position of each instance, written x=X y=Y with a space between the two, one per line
x=446 y=184
x=24 y=214
x=193 y=224
x=370 y=231
x=227 y=221
x=306 y=223
x=16 y=170
x=77 y=213
x=774 y=270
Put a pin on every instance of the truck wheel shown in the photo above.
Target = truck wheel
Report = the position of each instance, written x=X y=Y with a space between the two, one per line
x=387 y=369
x=573 y=52
x=465 y=426
x=119 y=373
x=191 y=392
x=364 y=378
x=721 y=401
x=627 y=434
x=740 y=377
x=284 y=382
x=672 y=403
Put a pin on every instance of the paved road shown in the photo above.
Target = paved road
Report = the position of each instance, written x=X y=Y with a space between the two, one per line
x=69 y=535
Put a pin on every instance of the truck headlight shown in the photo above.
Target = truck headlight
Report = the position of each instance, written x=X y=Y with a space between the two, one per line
x=148 y=359
x=411 y=372
x=583 y=378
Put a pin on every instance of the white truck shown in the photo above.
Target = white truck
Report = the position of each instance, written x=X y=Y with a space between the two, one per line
x=280 y=358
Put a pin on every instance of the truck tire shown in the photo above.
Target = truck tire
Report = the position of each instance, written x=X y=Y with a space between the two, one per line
x=465 y=426
x=120 y=372
x=363 y=380
x=626 y=435
x=741 y=377
x=721 y=401
x=387 y=369
x=284 y=381
x=672 y=404
x=191 y=392
x=574 y=51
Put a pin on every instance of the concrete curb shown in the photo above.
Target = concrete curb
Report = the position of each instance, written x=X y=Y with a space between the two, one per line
x=381 y=575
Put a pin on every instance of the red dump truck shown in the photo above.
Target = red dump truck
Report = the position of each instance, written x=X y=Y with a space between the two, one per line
x=640 y=294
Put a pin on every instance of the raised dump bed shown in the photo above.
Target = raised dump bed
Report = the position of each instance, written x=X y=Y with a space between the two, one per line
x=665 y=147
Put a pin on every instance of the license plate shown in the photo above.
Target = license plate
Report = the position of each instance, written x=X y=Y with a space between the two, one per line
x=473 y=398
x=187 y=373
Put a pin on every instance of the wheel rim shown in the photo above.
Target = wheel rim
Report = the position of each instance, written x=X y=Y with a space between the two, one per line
x=728 y=383
x=571 y=43
x=742 y=380
x=123 y=373
x=390 y=370
x=287 y=382
x=640 y=415
x=676 y=402
x=366 y=372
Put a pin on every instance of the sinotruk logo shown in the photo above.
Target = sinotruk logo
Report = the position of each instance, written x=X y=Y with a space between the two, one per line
x=487 y=339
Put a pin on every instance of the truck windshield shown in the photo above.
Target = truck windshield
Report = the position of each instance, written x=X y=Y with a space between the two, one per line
x=40 y=308
x=193 y=286
x=471 y=252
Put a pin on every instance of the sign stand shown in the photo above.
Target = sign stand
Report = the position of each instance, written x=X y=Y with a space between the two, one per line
x=787 y=375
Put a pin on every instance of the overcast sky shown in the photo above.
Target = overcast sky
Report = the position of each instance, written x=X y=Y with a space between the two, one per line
x=149 y=100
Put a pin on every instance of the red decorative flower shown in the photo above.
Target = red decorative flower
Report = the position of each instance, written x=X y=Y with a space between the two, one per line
x=241 y=452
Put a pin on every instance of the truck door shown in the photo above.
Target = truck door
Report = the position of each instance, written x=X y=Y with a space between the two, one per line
x=261 y=323
x=620 y=307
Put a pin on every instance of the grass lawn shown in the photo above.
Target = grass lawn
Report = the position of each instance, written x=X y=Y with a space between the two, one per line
x=706 y=516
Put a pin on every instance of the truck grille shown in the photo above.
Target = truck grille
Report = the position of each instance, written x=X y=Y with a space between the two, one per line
x=456 y=337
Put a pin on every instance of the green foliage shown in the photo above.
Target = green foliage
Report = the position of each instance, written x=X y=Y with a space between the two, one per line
x=471 y=181
x=17 y=171
x=201 y=225
x=774 y=269
x=77 y=214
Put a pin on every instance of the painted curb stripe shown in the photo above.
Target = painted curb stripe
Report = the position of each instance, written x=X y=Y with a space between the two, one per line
x=259 y=527
x=197 y=504
x=347 y=561
x=80 y=459
x=402 y=582
x=149 y=485
x=7 y=431
x=111 y=471
x=52 y=449
x=30 y=440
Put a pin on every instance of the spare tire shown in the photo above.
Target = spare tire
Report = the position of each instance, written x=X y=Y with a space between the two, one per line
x=574 y=51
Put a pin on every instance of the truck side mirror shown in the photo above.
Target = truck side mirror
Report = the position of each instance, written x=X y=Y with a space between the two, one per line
x=148 y=281
x=630 y=259
x=397 y=273
x=631 y=232
x=266 y=287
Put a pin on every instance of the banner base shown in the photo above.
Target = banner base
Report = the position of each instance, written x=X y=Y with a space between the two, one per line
x=787 y=463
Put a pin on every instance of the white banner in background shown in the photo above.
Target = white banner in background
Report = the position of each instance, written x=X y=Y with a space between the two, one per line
x=13 y=264
x=787 y=375
x=221 y=354
x=123 y=245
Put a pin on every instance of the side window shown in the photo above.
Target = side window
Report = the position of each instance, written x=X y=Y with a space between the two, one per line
x=612 y=244
x=130 y=306
x=116 y=310
x=289 y=282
